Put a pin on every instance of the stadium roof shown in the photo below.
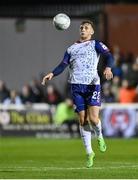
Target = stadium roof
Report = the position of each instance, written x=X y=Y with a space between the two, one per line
x=48 y=8
x=54 y=2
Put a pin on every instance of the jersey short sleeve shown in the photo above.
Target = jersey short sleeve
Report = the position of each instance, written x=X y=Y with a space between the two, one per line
x=101 y=48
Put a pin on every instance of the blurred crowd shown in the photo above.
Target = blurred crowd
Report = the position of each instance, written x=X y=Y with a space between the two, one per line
x=123 y=88
x=32 y=92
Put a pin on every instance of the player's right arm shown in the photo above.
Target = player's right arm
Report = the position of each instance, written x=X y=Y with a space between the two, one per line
x=58 y=70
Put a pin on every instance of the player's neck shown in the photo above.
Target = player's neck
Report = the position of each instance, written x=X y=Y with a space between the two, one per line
x=85 y=39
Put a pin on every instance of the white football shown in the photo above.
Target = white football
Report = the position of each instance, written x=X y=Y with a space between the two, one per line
x=61 y=21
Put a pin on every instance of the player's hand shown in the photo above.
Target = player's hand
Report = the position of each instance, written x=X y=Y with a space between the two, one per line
x=108 y=73
x=46 y=78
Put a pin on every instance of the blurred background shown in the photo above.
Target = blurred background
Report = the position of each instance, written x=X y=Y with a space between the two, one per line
x=30 y=47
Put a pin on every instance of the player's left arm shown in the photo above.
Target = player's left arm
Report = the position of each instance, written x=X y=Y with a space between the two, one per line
x=58 y=70
x=103 y=49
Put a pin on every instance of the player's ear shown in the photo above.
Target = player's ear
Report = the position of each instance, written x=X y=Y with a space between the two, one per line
x=92 y=32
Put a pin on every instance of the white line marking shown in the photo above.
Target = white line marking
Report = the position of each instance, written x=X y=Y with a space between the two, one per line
x=64 y=168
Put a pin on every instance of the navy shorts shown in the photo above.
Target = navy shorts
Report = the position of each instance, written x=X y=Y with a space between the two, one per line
x=84 y=95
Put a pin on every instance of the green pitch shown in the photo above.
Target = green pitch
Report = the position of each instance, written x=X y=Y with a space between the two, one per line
x=51 y=159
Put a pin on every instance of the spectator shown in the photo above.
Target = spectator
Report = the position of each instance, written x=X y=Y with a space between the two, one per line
x=127 y=93
x=65 y=115
x=52 y=96
x=108 y=96
x=4 y=92
x=37 y=90
x=115 y=87
x=116 y=52
x=27 y=95
x=127 y=62
x=13 y=99
x=132 y=74
x=137 y=93
x=117 y=70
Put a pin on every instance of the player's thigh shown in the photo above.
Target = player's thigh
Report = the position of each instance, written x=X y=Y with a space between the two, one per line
x=93 y=113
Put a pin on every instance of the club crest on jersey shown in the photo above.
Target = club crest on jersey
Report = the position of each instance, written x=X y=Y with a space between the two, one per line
x=104 y=46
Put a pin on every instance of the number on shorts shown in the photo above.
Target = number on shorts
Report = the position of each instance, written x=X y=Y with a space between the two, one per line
x=96 y=95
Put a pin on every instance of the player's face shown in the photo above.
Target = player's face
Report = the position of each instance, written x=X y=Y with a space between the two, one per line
x=86 y=31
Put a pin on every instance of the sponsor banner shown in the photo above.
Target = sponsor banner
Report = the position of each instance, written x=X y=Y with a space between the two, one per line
x=120 y=121
x=24 y=120
x=32 y=120
x=36 y=120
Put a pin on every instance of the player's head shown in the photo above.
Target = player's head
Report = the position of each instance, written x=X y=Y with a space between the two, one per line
x=86 y=29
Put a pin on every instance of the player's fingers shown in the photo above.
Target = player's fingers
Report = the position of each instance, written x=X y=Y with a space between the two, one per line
x=50 y=77
x=44 y=80
x=109 y=76
x=47 y=78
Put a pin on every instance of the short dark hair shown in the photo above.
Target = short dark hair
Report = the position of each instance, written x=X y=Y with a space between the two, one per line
x=89 y=22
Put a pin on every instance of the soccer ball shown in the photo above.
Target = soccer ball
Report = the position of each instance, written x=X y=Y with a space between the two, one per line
x=61 y=21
